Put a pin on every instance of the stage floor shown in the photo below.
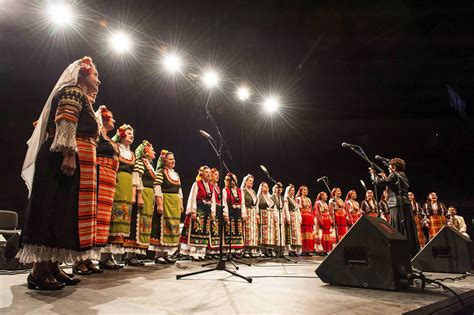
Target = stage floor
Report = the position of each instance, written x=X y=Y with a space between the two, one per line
x=154 y=289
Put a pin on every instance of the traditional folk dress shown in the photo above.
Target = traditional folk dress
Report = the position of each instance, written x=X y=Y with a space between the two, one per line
x=122 y=206
x=266 y=208
x=326 y=223
x=251 y=230
x=107 y=166
x=383 y=206
x=341 y=217
x=215 y=241
x=353 y=209
x=370 y=208
x=234 y=209
x=420 y=220
x=318 y=232
x=294 y=240
x=307 y=223
x=60 y=224
x=165 y=234
x=202 y=204
x=279 y=222
x=143 y=178
x=436 y=213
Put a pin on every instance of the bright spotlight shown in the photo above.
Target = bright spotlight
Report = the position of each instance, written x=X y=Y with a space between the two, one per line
x=210 y=79
x=243 y=93
x=120 y=42
x=172 y=63
x=271 y=104
x=60 y=14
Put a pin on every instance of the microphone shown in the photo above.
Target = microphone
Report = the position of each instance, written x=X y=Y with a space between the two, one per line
x=381 y=158
x=264 y=169
x=321 y=178
x=349 y=145
x=205 y=134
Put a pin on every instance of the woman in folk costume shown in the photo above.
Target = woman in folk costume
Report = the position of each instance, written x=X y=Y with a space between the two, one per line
x=235 y=214
x=420 y=219
x=107 y=165
x=143 y=178
x=293 y=224
x=213 y=248
x=436 y=213
x=201 y=208
x=59 y=171
x=352 y=207
x=253 y=218
x=277 y=197
x=123 y=198
x=266 y=208
x=307 y=220
x=341 y=217
x=383 y=206
x=169 y=205
x=369 y=206
x=325 y=221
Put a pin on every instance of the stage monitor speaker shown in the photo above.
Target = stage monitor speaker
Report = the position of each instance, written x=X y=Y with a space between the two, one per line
x=448 y=251
x=371 y=255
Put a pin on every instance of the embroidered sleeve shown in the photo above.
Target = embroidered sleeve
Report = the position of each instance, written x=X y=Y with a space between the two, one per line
x=243 y=208
x=64 y=137
x=192 y=204
x=157 y=191
x=159 y=178
x=224 y=203
x=180 y=193
x=71 y=100
x=137 y=174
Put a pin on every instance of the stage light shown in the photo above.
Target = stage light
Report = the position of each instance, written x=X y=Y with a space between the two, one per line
x=210 y=79
x=271 y=104
x=243 y=93
x=60 y=14
x=172 y=63
x=120 y=42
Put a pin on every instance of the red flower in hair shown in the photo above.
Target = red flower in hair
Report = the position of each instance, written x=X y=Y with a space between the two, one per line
x=105 y=113
x=86 y=66
x=122 y=133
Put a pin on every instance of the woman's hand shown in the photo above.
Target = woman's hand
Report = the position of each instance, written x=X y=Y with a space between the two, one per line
x=140 y=201
x=68 y=166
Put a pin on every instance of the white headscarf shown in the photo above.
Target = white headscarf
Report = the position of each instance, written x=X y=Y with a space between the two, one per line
x=69 y=77
x=250 y=191
x=266 y=196
x=98 y=116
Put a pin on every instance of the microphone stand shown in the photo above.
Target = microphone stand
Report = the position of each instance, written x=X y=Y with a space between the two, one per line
x=220 y=151
x=281 y=254
x=360 y=152
x=326 y=183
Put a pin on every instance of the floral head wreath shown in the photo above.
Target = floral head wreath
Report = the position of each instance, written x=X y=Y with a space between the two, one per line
x=86 y=66
x=161 y=160
x=143 y=149
x=105 y=113
x=121 y=132
x=201 y=171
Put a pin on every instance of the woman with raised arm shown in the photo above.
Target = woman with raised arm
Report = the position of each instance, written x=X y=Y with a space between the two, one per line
x=401 y=216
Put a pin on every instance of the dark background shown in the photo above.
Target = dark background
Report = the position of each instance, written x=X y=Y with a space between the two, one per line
x=367 y=72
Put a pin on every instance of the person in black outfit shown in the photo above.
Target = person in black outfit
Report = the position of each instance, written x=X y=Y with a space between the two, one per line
x=401 y=216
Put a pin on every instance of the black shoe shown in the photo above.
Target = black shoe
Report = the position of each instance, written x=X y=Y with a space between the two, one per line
x=160 y=260
x=216 y=256
x=80 y=272
x=109 y=264
x=169 y=260
x=93 y=268
x=134 y=262
x=62 y=277
x=44 y=282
